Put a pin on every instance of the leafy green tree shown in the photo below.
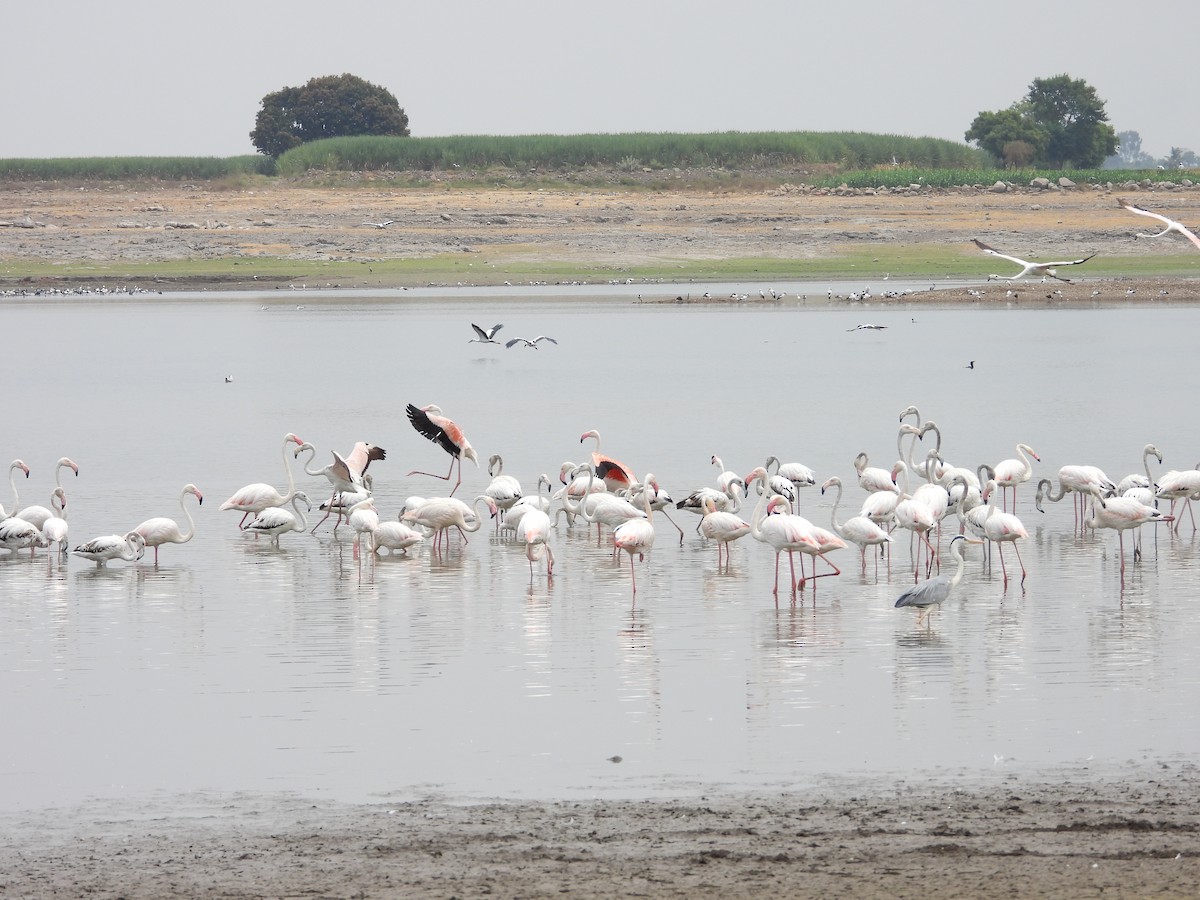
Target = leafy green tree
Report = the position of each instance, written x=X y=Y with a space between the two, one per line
x=1130 y=154
x=329 y=106
x=1065 y=114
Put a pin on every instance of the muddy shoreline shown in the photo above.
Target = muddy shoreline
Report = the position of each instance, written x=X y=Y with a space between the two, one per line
x=1132 y=835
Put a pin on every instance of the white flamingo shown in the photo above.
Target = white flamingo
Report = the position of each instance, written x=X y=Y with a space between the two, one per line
x=534 y=529
x=1011 y=472
x=1003 y=528
x=859 y=530
x=363 y=517
x=129 y=547
x=722 y=527
x=504 y=489
x=1171 y=224
x=396 y=536
x=275 y=520
x=55 y=529
x=636 y=536
x=873 y=478
x=1122 y=514
x=16 y=534
x=1046 y=269
x=162 y=530
x=254 y=498
x=13 y=467
x=440 y=513
x=39 y=514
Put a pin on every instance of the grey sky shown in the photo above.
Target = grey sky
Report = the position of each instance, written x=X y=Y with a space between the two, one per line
x=129 y=77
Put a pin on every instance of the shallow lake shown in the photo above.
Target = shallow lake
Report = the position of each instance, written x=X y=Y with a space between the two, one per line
x=232 y=665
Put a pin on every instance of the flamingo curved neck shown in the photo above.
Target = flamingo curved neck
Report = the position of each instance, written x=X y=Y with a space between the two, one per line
x=191 y=532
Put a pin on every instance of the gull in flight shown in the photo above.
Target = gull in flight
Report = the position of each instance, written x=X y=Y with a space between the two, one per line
x=1030 y=268
x=867 y=327
x=1171 y=224
x=529 y=343
x=383 y=224
x=485 y=337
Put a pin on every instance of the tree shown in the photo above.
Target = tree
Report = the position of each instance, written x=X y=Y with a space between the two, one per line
x=1130 y=154
x=329 y=106
x=1065 y=114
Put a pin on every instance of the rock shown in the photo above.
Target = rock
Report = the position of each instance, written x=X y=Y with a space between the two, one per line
x=1065 y=182
x=1040 y=183
x=999 y=188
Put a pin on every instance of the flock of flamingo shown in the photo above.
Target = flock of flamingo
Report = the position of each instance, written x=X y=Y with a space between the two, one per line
x=925 y=498
x=605 y=492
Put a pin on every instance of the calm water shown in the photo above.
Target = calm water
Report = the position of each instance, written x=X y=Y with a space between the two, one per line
x=235 y=666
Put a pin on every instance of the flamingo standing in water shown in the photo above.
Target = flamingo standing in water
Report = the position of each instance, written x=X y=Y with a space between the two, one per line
x=129 y=547
x=440 y=513
x=636 y=536
x=859 y=530
x=364 y=519
x=1176 y=486
x=55 y=529
x=38 y=515
x=16 y=534
x=429 y=421
x=254 y=498
x=161 y=530
x=873 y=478
x=1011 y=472
x=616 y=475
x=722 y=527
x=275 y=520
x=1122 y=514
x=1079 y=480
x=504 y=489
x=395 y=536
x=534 y=528
x=12 y=483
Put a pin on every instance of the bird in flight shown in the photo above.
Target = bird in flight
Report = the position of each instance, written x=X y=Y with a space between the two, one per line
x=867 y=327
x=1171 y=224
x=485 y=337
x=971 y=364
x=529 y=343
x=1045 y=269
x=383 y=224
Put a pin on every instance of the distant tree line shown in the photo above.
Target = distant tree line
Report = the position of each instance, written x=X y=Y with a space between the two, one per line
x=1130 y=155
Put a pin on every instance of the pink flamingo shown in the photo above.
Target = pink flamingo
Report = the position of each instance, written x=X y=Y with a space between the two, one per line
x=429 y=421
x=859 y=530
x=254 y=498
x=440 y=513
x=345 y=474
x=636 y=536
x=161 y=530
x=616 y=475
x=722 y=527
x=1003 y=528
x=1011 y=472
x=783 y=532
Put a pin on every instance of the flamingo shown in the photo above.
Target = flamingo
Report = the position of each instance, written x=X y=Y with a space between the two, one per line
x=513 y=517
x=17 y=534
x=798 y=474
x=822 y=540
x=933 y=592
x=345 y=474
x=504 y=489
x=726 y=475
x=1011 y=472
x=859 y=530
x=439 y=513
x=161 y=530
x=485 y=337
x=727 y=500
x=1001 y=528
x=364 y=519
x=129 y=547
x=872 y=478
x=275 y=520
x=341 y=502
x=1080 y=480
x=1046 y=269
x=1121 y=514
x=534 y=529
x=55 y=529
x=254 y=498
x=572 y=475
x=1141 y=488
x=12 y=483
x=636 y=536
x=429 y=421
x=782 y=532
x=722 y=527
x=616 y=475
x=1175 y=486
x=395 y=536
x=915 y=515
x=606 y=509
x=530 y=343
x=1171 y=224
x=37 y=515
x=659 y=501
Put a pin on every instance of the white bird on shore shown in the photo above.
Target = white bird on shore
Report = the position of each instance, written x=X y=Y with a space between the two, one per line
x=384 y=224
x=867 y=327
x=1045 y=269
x=1171 y=224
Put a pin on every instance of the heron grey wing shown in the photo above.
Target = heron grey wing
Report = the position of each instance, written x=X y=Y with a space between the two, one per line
x=483 y=335
x=927 y=593
x=544 y=337
x=514 y=341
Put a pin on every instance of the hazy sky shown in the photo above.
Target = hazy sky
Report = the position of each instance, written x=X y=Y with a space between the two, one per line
x=131 y=77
